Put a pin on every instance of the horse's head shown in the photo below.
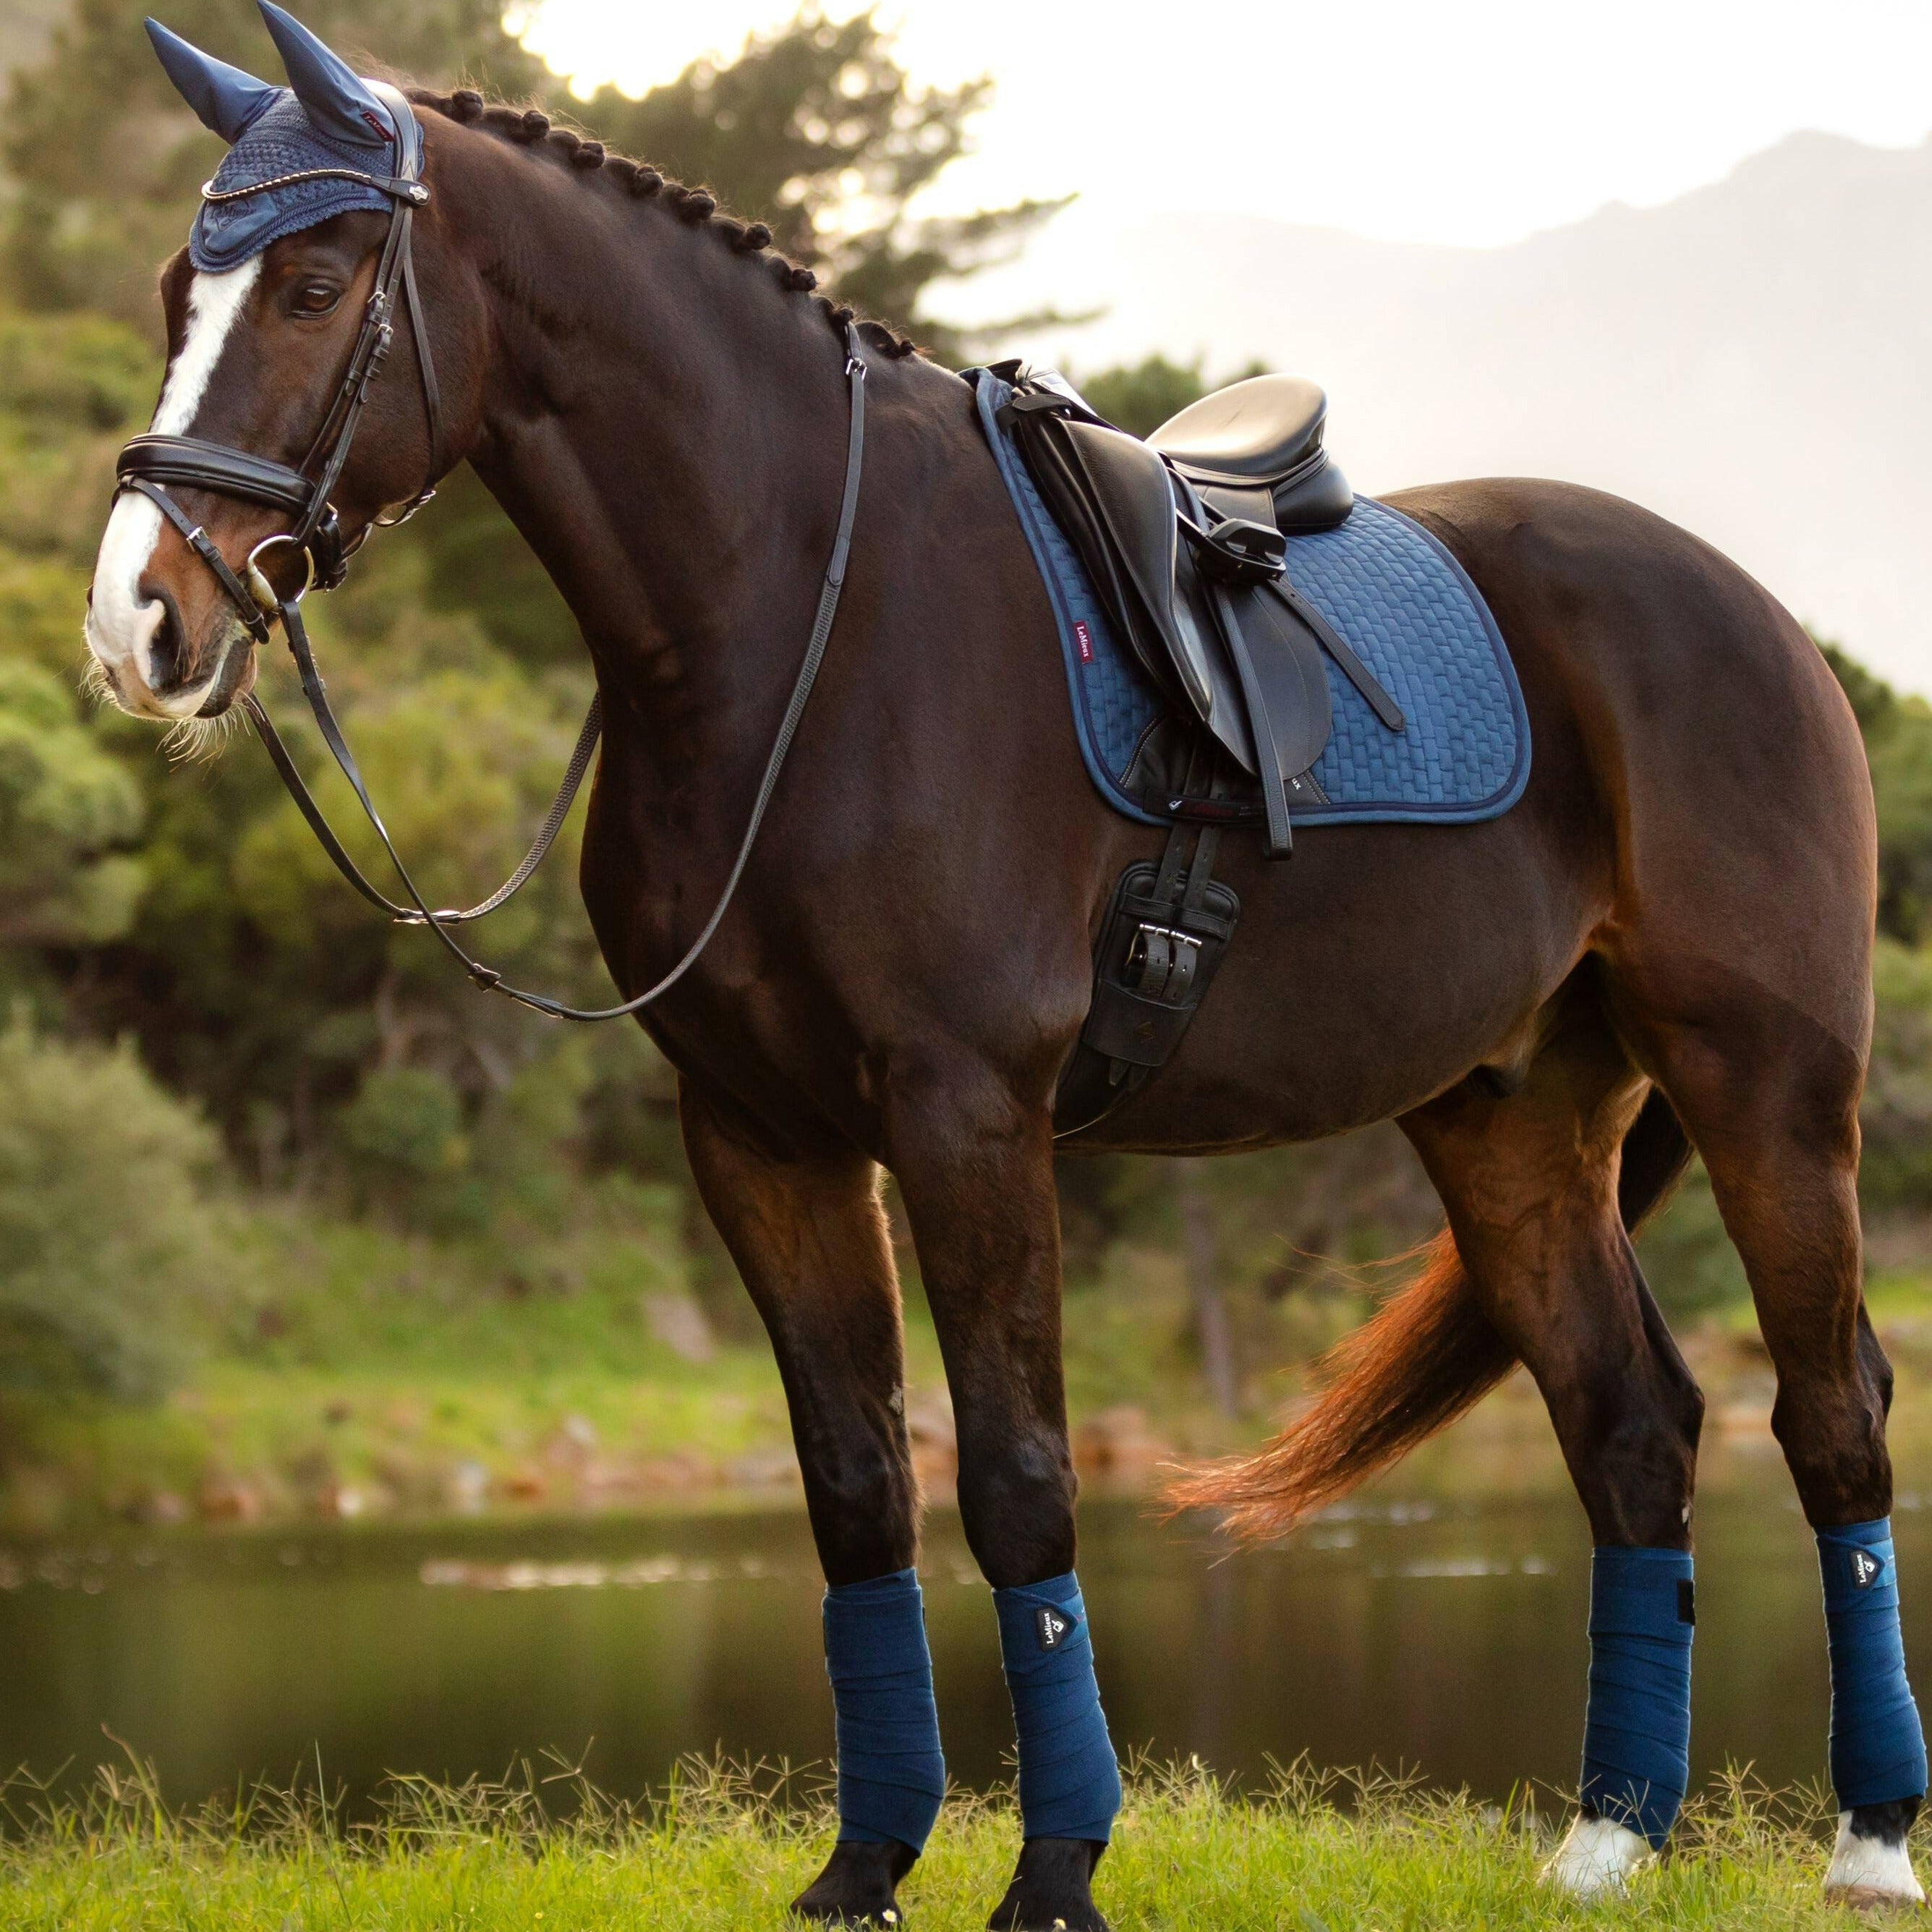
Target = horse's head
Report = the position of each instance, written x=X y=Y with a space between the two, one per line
x=283 y=311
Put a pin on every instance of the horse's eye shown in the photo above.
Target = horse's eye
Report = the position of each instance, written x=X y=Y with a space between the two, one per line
x=316 y=298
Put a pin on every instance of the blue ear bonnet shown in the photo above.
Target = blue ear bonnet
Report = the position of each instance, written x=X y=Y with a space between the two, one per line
x=281 y=140
x=328 y=118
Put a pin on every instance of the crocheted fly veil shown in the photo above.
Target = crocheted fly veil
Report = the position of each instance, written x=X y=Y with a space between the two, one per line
x=286 y=144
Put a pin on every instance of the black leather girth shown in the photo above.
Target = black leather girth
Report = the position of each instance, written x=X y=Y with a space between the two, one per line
x=1163 y=940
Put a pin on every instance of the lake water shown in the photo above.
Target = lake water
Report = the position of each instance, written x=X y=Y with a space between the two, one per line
x=1448 y=1640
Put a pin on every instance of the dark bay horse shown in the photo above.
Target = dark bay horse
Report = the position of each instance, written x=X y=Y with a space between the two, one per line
x=1665 y=944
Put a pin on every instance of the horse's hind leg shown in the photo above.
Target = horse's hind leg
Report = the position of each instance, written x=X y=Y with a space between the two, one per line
x=1530 y=1183
x=1770 y=1096
x=806 y=1230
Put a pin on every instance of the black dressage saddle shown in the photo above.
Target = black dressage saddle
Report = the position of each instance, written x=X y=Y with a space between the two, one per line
x=1184 y=537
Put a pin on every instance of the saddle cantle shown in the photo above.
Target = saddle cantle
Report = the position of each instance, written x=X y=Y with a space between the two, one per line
x=1184 y=536
x=1262 y=436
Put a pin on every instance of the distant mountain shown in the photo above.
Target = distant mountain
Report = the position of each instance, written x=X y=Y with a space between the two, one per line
x=1752 y=360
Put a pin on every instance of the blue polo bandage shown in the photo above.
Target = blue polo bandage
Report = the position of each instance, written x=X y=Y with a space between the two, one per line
x=892 y=1776
x=1637 y=1735
x=1878 y=1748
x=1069 y=1778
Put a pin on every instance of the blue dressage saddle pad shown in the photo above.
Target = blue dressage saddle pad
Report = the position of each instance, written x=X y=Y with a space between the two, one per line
x=1394 y=593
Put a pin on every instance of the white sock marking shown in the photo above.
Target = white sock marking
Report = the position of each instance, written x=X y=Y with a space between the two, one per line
x=1870 y=1866
x=121 y=623
x=1597 y=1859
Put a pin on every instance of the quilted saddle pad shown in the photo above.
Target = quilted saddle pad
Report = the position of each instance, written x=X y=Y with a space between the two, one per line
x=1394 y=593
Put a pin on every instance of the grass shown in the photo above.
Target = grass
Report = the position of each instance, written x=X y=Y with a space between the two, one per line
x=719 y=1849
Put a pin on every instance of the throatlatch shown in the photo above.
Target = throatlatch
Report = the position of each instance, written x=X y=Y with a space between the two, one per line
x=1637 y=1735
x=1070 y=1777
x=892 y=1773
x=1878 y=1745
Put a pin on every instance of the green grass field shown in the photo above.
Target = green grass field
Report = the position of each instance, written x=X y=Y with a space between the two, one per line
x=1312 y=1855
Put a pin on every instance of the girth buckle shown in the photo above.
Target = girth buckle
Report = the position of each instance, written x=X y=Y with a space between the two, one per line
x=1162 y=962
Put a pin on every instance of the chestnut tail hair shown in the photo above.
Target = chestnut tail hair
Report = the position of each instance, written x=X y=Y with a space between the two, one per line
x=1426 y=1356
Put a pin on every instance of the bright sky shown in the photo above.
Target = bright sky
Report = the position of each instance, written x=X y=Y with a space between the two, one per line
x=1413 y=120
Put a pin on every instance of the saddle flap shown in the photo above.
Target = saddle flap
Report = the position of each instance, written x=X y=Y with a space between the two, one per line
x=1129 y=487
x=1288 y=688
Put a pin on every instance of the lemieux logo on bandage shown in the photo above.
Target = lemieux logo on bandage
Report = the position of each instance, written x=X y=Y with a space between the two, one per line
x=1054 y=1628
x=1865 y=1568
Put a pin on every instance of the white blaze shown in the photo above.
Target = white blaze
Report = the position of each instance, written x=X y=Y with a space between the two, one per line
x=121 y=623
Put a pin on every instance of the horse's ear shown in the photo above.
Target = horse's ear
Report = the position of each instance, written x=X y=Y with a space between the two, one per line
x=336 y=103
x=226 y=99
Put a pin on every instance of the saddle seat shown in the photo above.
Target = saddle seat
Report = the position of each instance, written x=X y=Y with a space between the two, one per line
x=1257 y=429
x=1264 y=434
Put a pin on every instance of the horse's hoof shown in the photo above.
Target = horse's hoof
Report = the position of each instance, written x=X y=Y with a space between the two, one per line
x=1596 y=1859
x=1050 y=1889
x=1871 y=1871
x=857 y=1885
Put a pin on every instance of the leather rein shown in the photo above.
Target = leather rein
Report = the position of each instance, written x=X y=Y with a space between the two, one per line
x=149 y=464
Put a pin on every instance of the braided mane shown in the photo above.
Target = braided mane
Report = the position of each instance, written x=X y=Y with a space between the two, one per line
x=697 y=206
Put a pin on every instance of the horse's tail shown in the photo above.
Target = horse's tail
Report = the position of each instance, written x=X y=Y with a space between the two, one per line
x=1426 y=1355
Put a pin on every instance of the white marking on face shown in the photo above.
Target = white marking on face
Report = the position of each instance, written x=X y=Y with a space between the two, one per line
x=121 y=623
x=1867 y=1871
x=1596 y=1859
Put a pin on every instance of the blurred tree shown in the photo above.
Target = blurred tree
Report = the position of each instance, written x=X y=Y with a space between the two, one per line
x=1139 y=396
x=816 y=130
x=1896 y=1113
x=71 y=388
x=65 y=805
x=1898 y=746
x=101 y=1285
x=105 y=159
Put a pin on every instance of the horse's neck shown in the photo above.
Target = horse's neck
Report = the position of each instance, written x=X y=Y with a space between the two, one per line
x=666 y=427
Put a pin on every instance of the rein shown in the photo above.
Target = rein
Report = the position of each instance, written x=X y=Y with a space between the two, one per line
x=150 y=463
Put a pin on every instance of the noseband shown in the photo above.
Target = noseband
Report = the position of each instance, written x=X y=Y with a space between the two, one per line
x=150 y=463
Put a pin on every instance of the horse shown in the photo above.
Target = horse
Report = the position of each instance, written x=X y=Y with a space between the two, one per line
x=1664 y=945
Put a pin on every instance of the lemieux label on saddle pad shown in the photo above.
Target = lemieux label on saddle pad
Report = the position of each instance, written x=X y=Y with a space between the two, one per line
x=1398 y=598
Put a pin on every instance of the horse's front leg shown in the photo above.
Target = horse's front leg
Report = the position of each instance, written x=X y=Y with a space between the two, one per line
x=807 y=1232
x=975 y=1165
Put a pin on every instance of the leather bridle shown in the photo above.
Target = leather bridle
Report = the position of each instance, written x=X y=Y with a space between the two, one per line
x=150 y=463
